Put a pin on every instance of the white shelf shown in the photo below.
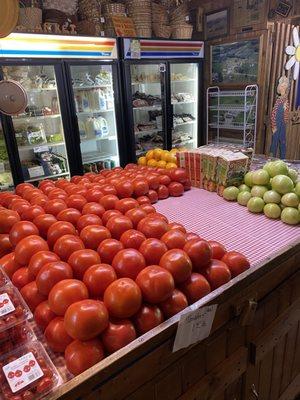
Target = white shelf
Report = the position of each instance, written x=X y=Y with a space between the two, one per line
x=95 y=156
x=37 y=117
x=185 y=123
x=184 y=80
x=47 y=177
x=183 y=142
x=147 y=132
x=231 y=108
x=231 y=93
x=32 y=146
x=84 y=113
x=92 y=87
x=147 y=108
x=38 y=90
x=145 y=83
x=183 y=102
x=234 y=126
x=98 y=139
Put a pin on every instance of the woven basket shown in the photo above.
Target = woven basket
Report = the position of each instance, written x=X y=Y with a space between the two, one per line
x=143 y=32
x=30 y=17
x=162 y=31
x=182 y=31
x=69 y=7
x=114 y=8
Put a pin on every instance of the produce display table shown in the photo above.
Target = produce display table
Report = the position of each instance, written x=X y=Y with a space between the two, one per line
x=253 y=351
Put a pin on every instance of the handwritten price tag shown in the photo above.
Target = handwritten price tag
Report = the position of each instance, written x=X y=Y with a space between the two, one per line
x=194 y=326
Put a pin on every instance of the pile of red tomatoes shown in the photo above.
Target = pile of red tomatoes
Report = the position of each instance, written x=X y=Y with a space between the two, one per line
x=98 y=265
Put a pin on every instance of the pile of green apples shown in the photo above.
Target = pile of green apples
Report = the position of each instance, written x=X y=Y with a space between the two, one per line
x=273 y=190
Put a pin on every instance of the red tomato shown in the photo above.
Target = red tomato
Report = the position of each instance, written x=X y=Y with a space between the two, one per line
x=57 y=336
x=153 y=249
x=132 y=239
x=5 y=245
x=9 y=264
x=123 y=298
x=217 y=274
x=158 y=215
x=174 y=304
x=199 y=252
x=108 y=249
x=69 y=215
x=153 y=196
x=20 y=188
x=174 y=239
x=43 y=223
x=176 y=189
x=7 y=219
x=27 y=247
x=156 y=284
x=162 y=192
x=81 y=260
x=38 y=260
x=32 y=296
x=65 y=293
x=108 y=189
x=32 y=212
x=76 y=201
x=153 y=182
x=218 y=250
x=117 y=335
x=86 y=319
x=195 y=287
x=108 y=201
x=191 y=235
x=93 y=235
x=178 y=263
x=94 y=195
x=175 y=225
x=43 y=315
x=178 y=175
x=236 y=262
x=108 y=214
x=21 y=277
x=81 y=356
x=164 y=180
x=52 y=273
x=126 y=204
x=140 y=187
x=20 y=206
x=152 y=227
x=97 y=278
x=128 y=263
x=124 y=189
x=93 y=208
x=136 y=215
x=66 y=245
x=20 y=230
x=118 y=225
x=55 y=206
x=143 y=200
x=147 y=318
x=147 y=208
x=59 y=229
x=88 y=219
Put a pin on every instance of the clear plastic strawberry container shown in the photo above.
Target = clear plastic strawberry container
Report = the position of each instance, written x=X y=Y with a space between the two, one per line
x=13 y=309
x=15 y=337
x=27 y=373
x=4 y=279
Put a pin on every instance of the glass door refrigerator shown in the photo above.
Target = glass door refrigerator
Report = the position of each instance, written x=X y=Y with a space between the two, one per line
x=71 y=124
x=163 y=93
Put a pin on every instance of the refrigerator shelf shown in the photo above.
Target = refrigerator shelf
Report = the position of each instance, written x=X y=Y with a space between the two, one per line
x=230 y=107
x=95 y=156
x=183 y=102
x=147 y=108
x=38 y=90
x=185 y=123
x=234 y=126
x=147 y=132
x=145 y=83
x=32 y=146
x=92 y=87
x=84 y=113
x=97 y=139
x=37 y=117
x=185 y=80
x=231 y=93
x=38 y=178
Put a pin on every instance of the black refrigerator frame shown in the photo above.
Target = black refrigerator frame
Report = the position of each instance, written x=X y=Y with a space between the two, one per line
x=68 y=112
x=166 y=97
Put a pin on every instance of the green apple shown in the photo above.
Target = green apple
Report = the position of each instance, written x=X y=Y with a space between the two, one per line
x=248 y=179
x=290 y=200
x=231 y=193
x=282 y=184
x=256 y=205
x=278 y=167
x=244 y=188
x=267 y=166
x=272 y=210
x=290 y=215
x=260 y=177
x=272 y=197
x=258 y=191
x=297 y=189
x=243 y=198
x=293 y=174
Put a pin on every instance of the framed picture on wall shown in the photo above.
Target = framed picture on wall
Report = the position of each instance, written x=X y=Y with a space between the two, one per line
x=283 y=8
x=235 y=63
x=216 y=24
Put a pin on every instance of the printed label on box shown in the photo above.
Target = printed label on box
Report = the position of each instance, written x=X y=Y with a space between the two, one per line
x=6 y=305
x=194 y=326
x=22 y=372
x=36 y=171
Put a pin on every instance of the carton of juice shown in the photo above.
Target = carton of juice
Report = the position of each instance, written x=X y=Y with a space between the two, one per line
x=231 y=170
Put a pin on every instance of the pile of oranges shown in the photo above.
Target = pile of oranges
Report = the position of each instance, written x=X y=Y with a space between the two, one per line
x=159 y=158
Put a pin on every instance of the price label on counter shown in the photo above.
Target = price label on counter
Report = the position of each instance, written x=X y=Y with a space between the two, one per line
x=194 y=326
x=36 y=171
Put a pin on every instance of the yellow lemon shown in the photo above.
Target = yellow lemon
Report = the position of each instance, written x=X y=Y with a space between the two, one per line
x=150 y=154
x=172 y=159
x=161 y=164
x=142 y=161
x=157 y=154
x=171 y=165
x=174 y=151
x=165 y=155
x=152 y=163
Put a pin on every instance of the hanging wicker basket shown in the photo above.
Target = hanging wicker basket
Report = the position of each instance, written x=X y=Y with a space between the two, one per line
x=182 y=31
x=162 y=31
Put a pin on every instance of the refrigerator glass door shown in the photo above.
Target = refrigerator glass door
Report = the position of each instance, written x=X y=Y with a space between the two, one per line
x=39 y=131
x=96 y=115
x=184 y=100
x=6 y=180
x=147 y=108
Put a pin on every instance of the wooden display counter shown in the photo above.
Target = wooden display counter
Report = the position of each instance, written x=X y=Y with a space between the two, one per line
x=253 y=351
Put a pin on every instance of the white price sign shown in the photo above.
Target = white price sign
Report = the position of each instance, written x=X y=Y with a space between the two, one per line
x=194 y=326
x=40 y=149
x=36 y=171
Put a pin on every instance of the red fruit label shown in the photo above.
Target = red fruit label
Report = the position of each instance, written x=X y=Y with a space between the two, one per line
x=22 y=372
x=6 y=305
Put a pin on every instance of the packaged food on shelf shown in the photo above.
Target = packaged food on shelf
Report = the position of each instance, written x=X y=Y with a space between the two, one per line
x=28 y=373
x=17 y=336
